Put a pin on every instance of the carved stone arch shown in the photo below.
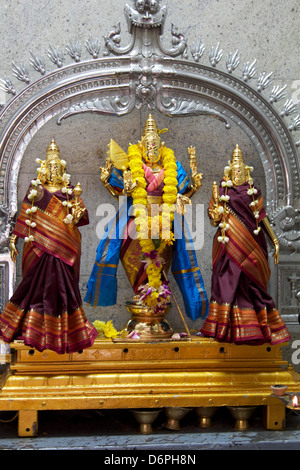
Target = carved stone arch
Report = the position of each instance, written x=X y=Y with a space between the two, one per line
x=196 y=89
x=183 y=89
x=93 y=87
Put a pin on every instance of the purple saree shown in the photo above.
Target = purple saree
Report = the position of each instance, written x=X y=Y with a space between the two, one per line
x=46 y=309
x=241 y=310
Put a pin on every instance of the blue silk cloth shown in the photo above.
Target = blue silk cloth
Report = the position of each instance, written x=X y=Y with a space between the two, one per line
x=102 y=284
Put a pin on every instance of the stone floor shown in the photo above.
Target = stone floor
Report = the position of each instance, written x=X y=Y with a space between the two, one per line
x=116 y=432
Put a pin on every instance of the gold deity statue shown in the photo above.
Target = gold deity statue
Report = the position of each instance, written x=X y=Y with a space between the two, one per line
x=240 y=309
x=156 y=188
x=239 y=174
x=46 y=309
x=150 y=147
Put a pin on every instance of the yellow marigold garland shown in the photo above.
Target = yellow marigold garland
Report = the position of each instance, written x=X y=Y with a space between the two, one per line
x=106 y=329
x=162 y=222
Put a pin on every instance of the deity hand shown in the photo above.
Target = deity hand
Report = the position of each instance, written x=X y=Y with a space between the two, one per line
x=129 y=185
x=12 y=247
x=106 y=172
x=195 y=176
x=272 y=237
x=77 y=212
x=104 y=177
x=215 y=194
x=181 y=201
x=215 y=214
x=276 y=251
x=197 y=181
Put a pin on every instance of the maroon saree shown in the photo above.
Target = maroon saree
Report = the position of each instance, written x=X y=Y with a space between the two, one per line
x=241 y=311
x=46 y=309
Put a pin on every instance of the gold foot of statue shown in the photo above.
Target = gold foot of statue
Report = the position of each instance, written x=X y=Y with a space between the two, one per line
x=145 y=419
x=174 y=415
x=28 y=423
x=241 y=414
x=205 y=414
x=146 y=325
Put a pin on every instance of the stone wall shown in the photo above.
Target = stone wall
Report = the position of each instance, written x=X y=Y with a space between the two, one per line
x=263 y=30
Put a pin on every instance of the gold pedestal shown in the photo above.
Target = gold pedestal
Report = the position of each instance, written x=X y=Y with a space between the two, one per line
x=174 y=416
x=145 y=418
x=141 y=375
x=147 y=325
x=241 y=414
x=205 y=415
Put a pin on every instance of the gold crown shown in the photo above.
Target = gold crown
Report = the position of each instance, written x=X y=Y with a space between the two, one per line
x=237 y=170
x=150 y=128
x=237 y=158
x=52 y=151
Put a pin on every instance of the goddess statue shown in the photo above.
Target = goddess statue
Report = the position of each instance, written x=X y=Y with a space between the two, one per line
x=241 y=310
x=46 y=309
x=146 y=240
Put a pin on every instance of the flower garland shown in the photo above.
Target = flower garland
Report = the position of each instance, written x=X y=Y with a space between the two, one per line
x=226 y=183
x=31 y=211
x=252 y=191
x=106 y=329
x=155 y=293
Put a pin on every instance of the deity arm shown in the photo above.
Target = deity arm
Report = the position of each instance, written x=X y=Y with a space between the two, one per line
x=105 y=176
x=271 y=235
x=77 y=210
x=181 y=201
x=195 y=176
x=191 y=190
x=13 y=247
x=112 y=189
x=128 y=184
x=215 y=209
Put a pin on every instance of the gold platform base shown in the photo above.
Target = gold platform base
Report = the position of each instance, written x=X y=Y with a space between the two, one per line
x=109 y=375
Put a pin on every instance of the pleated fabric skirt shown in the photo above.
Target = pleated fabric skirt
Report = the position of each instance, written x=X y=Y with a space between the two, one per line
x=46 y=310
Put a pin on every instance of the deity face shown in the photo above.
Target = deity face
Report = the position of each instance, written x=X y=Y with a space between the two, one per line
x=152 y=146
x=54 y=171
x=238 y=175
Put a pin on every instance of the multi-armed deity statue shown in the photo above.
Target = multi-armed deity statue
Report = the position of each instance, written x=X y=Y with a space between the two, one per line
x=241 y=310
x=46 y=309
x=145 y=240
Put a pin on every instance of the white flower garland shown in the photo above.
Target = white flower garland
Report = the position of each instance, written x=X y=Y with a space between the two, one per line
x=36 y=183
x=31 y=196
x=252 y=191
